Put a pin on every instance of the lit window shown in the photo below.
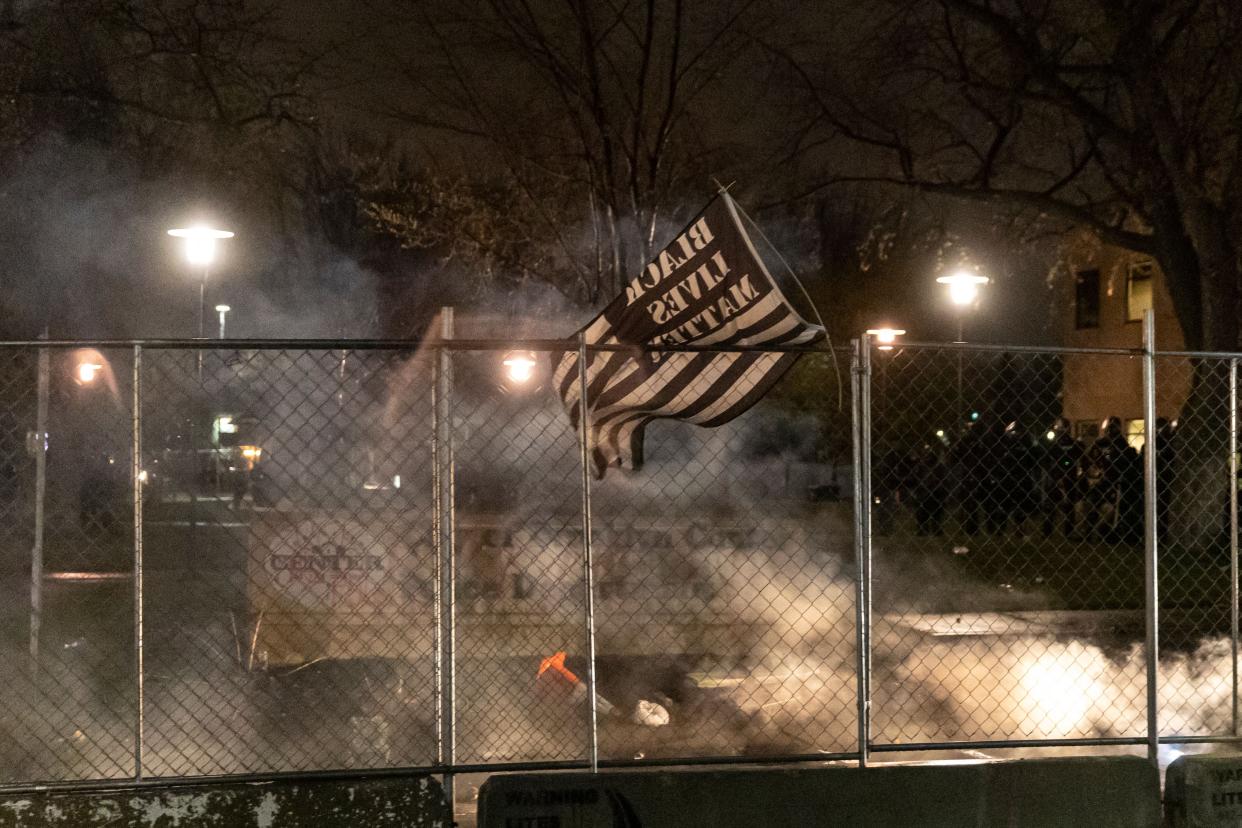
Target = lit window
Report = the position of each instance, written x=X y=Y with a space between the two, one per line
x=1139 y=283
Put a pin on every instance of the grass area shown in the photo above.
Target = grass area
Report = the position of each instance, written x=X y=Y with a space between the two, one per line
x=1014 y=571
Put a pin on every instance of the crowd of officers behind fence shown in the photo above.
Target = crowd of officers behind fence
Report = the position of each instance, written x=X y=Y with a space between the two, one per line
x=1004 y=480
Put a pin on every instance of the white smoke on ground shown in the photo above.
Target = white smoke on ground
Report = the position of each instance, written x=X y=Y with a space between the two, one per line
x=802 y=687
x=1040 y=688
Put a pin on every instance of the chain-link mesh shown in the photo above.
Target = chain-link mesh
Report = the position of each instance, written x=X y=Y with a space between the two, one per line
x=290 y=566
x=298 y=506
x=1195 y=531
x=725 y=582
x=520 y=599
x=1008 y=529
x=67 y=534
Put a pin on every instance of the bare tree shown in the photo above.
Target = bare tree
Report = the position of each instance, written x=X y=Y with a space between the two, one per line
x=592 y=111
x=182 y=69
x=1119 y=117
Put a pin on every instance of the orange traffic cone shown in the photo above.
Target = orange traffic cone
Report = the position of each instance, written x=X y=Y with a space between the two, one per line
x=557 y=679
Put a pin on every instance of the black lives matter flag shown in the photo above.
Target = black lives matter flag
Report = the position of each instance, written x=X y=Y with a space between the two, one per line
x=707 y=288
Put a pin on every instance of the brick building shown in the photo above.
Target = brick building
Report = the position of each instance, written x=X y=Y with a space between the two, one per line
x=1104 y=297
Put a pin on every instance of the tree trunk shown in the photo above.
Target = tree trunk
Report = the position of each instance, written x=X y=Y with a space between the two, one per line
x=1200 y=459
x=1200 y=478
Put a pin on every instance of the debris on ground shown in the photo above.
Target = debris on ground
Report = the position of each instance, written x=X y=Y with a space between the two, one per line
x=649 y=714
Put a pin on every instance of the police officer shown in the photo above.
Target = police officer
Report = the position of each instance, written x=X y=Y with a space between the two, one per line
x=1110 y=465
x=1018 y=477
x=1061 y=472
x=977 y=458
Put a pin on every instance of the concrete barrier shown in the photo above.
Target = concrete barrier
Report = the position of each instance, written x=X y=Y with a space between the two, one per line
x=1204 y=791
x=388 y=802
x=1121 y=792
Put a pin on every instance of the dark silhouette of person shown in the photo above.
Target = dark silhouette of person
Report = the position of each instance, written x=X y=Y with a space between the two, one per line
x=977 y=459
x=1129 y=524
x=240 y=484
x=1109 y=469
x=930 y=489
x=1166 y=468
x=890 y=485
x=1061 y=473
x=1017 y=492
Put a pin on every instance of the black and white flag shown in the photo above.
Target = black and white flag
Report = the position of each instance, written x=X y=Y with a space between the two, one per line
x=707 y=288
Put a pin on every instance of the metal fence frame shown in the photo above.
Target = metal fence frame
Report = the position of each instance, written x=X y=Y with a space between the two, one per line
x=444 y=533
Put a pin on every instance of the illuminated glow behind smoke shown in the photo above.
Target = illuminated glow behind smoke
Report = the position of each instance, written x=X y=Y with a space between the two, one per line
x=1061 y=691
x=792 y=616
x=993 y=689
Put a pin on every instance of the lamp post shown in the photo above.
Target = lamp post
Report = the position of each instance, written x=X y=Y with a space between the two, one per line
x=963 y=288
x=222 y=310
x=885 y=339
x=519 y=366
x=963 y=293
x=200 y=251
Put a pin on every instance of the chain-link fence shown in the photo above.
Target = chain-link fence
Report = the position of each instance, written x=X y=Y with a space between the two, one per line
x=1009 y=549
x=259 y=558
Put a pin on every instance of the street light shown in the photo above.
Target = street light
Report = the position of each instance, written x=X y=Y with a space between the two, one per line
x=200 y=250
x=88 y=367
x=87 y=372
x=222 y=310
x=885 y=337
x=963 y=292
x=519 y=366
x=200 y=242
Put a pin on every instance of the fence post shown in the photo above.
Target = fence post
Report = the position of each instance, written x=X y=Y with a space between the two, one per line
x=1149 y=533
x=444 y=518
x=136 y=488
x=860 y=385
x=1233 y=533
x=588 y=566
x=36 y=550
